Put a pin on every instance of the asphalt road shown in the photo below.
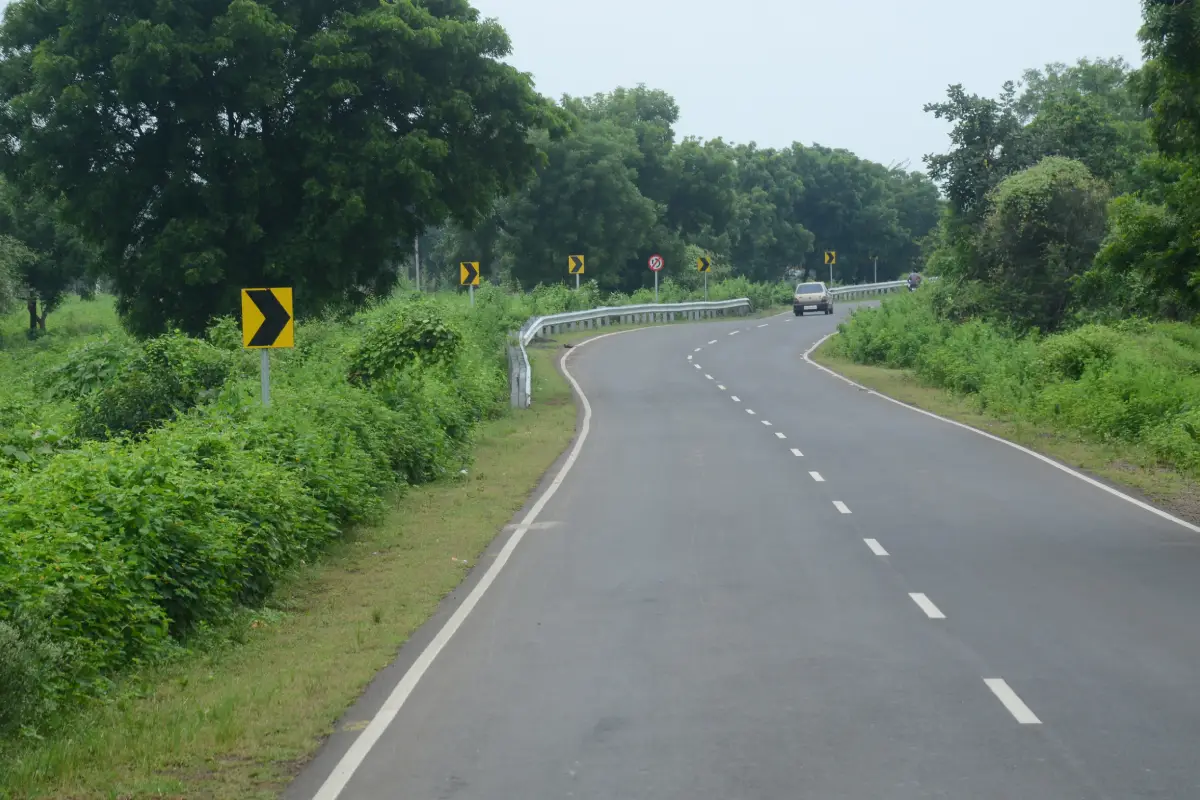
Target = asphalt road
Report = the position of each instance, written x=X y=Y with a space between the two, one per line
x=852 y=601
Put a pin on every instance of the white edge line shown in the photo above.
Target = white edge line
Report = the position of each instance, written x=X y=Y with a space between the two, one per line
x=797 y=453
x=1044 y=459
x=354 y=757
x=816 y=476
x=1015 y=705
x=876 y=547
x=926 y=605
x=840 y=506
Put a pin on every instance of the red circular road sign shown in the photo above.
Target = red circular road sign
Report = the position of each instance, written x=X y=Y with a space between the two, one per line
x=656 y=262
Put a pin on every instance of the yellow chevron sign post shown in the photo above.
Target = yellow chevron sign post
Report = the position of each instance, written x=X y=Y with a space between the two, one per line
x=704 y=265
x=468 y=275
x=831 y=259
x=575 y=267
x=268 y=322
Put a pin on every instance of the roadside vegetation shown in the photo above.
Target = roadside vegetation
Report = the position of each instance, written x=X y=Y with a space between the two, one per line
x=1067 y=257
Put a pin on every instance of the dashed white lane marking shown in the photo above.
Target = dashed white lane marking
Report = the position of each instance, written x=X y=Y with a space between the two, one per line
x=1015 y=705
x=797 y=453
x=698 y=349
x=734 y=333
x=721 y=387
x=767 y=423
x=710 y=377
x=697 y=366
x=816 y=476
x=714 y=341
x=750 y=411
x=876 y=547
x=765 y=324
x=690 y=358
x=779 y=435
x=926 y=605
x=736 y=399
x=840 y=506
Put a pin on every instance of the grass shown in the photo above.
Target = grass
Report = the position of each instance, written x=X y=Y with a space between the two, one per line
x=1124 y=466
x=241 y=714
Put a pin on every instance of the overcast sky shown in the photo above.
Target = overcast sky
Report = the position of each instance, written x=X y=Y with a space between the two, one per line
x=845 y=73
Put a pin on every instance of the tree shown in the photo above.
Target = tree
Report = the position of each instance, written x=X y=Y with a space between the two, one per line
x=1041 y=232
x=53 y=257
x=989 y=144
x=206 y=147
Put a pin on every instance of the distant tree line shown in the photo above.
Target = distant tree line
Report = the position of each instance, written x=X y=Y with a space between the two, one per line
x=182 y=150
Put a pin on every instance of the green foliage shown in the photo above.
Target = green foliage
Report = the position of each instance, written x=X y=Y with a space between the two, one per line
x=88 y=369
x=171 y=374
x=241 y=144
x=405 y=337
x=1041 y=232
x=1134 y=382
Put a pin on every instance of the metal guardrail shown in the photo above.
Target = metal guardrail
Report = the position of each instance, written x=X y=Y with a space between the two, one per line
x=520 y=375
x=867 y=289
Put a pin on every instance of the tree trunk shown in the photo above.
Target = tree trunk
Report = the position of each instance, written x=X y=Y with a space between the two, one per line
x=34 y=319
x=42 y=319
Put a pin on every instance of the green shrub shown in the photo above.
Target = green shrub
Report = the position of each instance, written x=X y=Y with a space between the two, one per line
x=405 y=336
x=170 y=375
x=32 y=666
x=88 y=368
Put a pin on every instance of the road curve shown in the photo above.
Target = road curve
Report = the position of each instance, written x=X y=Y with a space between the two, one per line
x=757 y=581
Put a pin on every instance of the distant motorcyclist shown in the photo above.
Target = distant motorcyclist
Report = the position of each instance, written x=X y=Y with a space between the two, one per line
x=914 y=280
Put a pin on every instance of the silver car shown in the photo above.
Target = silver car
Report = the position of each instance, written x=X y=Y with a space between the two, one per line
x=812 y=297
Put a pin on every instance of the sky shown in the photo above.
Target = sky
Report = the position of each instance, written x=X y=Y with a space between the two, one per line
x=853 y=74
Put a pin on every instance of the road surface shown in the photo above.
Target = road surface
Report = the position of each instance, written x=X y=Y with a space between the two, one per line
x=758 y=581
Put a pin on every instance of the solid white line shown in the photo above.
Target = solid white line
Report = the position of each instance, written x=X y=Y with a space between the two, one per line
x=714 y=341
x=736 y=399
x=719 y=386
x=710 y=377
x=876 y=547
x=926 y=605
x=1015 y=705
x=765 y=324
x=779 y=435
x=840 y=506
x=354 y=757
x=816 y=476
x=797 y=453
x=734 y=333
x=767 y=423
x=750 y=411
x=1044 y=459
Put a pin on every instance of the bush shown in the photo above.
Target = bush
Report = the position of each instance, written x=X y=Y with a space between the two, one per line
x=405 y=336
x=89 y=368
x=171 y=374
x=1135 y=382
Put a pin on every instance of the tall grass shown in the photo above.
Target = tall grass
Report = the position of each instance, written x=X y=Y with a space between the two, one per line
x=1136 y=382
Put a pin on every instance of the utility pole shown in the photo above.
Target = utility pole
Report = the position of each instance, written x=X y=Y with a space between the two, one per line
x=417 y=259
x=876 y=270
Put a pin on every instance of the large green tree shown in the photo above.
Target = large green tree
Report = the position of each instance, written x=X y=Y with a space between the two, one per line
x=207 y=147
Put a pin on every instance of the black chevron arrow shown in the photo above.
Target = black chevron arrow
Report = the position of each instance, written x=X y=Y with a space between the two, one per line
x=472 y=273
x=704 y=264
x=275 y=317
x=576 y=264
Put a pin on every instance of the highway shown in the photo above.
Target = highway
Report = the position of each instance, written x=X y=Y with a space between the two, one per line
x=751 y=579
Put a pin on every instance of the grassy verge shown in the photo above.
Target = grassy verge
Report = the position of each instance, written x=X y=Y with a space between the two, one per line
x=239 y=716
x=1126 y=467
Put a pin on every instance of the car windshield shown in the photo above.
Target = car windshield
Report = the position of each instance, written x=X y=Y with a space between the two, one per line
x=810 y=288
